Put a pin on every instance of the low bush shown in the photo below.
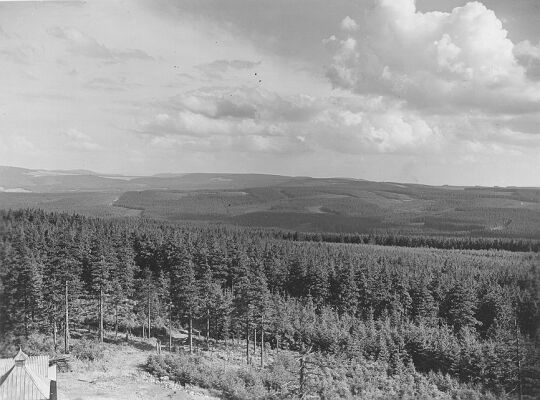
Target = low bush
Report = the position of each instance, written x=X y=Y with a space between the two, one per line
x=326 y=378
x=88 y=350
x=35 y=344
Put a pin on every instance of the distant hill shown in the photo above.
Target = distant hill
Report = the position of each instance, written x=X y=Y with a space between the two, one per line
x=347 y=205
x=47 y=181
x=293 y=203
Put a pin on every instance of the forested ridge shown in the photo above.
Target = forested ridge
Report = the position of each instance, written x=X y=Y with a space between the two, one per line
x=406 y=240
x=468 y=315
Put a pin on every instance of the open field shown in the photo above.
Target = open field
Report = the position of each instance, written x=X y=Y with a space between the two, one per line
x=121 y=377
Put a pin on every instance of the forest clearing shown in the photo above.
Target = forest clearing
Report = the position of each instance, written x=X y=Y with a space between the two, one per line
x=119 y=373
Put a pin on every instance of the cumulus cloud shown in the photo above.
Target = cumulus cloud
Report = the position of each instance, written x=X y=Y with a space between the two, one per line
x=454 y=60
x=248 y=119
x=247 y=102
x=239 y=119
x=349 y=24
x=82 y=44
x=385 y=131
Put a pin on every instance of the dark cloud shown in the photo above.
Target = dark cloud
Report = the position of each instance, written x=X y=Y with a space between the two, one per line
x=528 y=55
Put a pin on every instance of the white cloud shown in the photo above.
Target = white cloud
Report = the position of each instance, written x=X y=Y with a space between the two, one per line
x=218 y=67
x=386 y=131
x=349 y=24
x=246 y=119
x=78 y=140
x=82 y=44
x=460 y=60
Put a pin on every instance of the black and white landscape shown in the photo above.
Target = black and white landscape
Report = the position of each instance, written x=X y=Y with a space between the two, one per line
x=271 y=199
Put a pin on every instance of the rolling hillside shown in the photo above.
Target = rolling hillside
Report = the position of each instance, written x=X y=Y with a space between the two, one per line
x=337 y=205
x=295 y=203
x=14 y=179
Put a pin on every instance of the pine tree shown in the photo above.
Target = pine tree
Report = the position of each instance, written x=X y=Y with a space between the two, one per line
x=185 y=295
x=460 y=307
x=209 y=295
x=122 y=282
x=100 y=270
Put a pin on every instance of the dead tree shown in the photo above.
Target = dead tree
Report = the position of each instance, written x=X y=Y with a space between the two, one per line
x=149 y=332
x=101 y=314
x=262 y=341
x=66 y=326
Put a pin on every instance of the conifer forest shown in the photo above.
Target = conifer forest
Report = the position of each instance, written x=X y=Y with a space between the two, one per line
x=449 y=320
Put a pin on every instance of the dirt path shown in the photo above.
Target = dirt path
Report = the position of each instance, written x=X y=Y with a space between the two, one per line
x=121 y=377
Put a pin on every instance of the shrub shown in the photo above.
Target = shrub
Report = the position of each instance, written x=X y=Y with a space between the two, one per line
x=327 y=378
x=87 y=350
x=35 y=344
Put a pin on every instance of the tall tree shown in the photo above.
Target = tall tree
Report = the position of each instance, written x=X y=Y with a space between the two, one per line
x=100 y=270
x=185 y=293
x=460 y=307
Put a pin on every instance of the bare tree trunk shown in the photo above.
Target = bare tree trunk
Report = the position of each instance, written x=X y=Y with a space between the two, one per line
x=207 y=329
x=143 y=330
x=302 y=377
x=55 y=328
x=190 y=335
x=254 y=342
x=25 y=314
x=101 y=314
x=149 y=334
x=115 y=320
x=66 y=327
x=262 y=342
x=170 y=328
x=247 y=340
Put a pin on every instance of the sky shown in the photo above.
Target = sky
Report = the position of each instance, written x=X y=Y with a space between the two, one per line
x=427 y=91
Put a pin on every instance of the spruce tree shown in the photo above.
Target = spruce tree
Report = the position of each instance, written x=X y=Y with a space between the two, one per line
x=185 y=295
